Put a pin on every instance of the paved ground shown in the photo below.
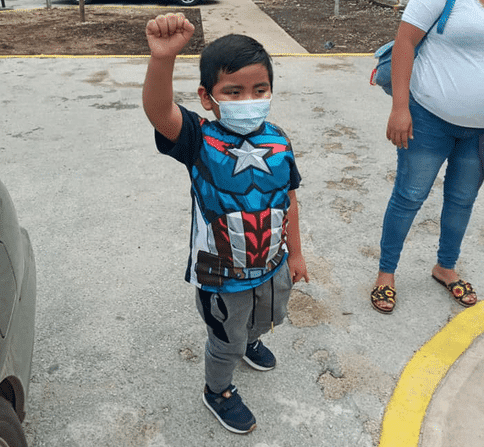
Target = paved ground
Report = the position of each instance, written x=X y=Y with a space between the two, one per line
x=119 y=352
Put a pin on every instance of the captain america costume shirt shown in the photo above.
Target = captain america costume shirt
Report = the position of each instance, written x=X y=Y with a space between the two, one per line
x=239 y=189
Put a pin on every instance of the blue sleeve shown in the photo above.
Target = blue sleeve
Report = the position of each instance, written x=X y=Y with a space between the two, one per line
x=187 y=148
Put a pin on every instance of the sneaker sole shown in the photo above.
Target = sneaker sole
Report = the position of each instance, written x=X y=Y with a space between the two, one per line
x=224 y=424
x=256 y=366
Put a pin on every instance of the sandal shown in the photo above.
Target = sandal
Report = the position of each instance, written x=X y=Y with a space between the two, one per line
x=459 y=290
x=385 y=294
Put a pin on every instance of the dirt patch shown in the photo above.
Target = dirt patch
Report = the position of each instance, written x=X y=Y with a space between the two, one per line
x=106 y=31
x=360 y=26
x=305 y=311
x=357 y=373
x=345 y=208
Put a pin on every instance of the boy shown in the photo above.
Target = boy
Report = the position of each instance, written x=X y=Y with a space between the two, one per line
x=245 y=244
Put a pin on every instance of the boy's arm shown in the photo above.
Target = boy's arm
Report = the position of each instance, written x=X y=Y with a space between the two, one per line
x=166 y=35
x=297 y=264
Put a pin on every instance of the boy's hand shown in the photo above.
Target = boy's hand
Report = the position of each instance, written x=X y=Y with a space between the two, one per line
x=168 y=34
x=297 y=267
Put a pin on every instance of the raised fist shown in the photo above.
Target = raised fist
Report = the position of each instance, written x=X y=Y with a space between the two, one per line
x=168 y=34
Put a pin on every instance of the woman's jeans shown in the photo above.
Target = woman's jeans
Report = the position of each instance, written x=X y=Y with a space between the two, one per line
x=435 y=141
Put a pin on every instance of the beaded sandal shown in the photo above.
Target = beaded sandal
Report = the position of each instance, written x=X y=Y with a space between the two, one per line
x=384 y=294
x=459 y=290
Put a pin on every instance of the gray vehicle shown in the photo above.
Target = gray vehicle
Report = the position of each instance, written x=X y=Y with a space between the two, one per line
x=177 y=2
x=17 y=317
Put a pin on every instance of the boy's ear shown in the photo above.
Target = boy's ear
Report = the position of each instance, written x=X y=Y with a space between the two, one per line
x=205 y=98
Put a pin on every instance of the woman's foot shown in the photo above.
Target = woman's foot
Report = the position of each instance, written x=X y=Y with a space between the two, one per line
x=383 y=294
x=462 y=292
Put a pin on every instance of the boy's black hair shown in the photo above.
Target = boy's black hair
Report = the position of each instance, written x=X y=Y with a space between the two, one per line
x=229 y=54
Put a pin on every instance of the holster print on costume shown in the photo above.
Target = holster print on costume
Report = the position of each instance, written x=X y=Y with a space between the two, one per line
x=246 y=254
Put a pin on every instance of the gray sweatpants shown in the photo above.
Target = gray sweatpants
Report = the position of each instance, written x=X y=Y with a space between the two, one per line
x=235 y=319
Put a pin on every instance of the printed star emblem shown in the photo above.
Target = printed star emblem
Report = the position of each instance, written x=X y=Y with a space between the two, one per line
x=249 y=156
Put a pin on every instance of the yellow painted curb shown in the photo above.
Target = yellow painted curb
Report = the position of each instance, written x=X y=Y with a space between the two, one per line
x=321 y=54
x=181 y=56
x=87 y=7
x=406 y=410
x=67 y=56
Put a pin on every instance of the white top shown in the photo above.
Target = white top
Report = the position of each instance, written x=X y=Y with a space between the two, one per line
x=448 y=74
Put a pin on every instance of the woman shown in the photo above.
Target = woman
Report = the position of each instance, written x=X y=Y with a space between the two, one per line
x=437 y=115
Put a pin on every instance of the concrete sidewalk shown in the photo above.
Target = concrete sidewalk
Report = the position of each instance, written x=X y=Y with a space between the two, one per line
x=245 y=17
x=455 y=415
x=119 y=353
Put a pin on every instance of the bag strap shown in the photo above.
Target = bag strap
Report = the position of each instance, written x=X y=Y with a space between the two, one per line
x=449 y=4
x=440 y=22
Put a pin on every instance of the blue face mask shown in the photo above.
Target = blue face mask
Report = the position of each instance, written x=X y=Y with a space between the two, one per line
x=243 y=117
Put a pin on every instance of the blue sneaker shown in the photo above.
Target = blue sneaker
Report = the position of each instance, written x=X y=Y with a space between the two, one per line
x=259 y=357
x=229 y=409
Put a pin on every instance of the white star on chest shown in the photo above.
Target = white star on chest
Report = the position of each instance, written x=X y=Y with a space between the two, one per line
x=249 y=156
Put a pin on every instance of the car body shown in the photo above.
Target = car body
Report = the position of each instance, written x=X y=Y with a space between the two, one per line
x=188 y=2
x=17 y=319
x=177 y=2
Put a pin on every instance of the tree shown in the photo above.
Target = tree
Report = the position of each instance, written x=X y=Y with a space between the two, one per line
x=81 y=10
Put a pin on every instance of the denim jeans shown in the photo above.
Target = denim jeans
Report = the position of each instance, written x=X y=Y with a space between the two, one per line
x=435 y=141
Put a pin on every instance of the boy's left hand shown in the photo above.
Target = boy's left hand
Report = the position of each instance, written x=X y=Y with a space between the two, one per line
x=297 y=267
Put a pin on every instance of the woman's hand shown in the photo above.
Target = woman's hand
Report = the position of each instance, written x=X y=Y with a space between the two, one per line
x=399 y=127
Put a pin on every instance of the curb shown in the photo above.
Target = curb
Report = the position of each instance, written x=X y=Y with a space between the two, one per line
x=405 y=413
x=181 y=56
